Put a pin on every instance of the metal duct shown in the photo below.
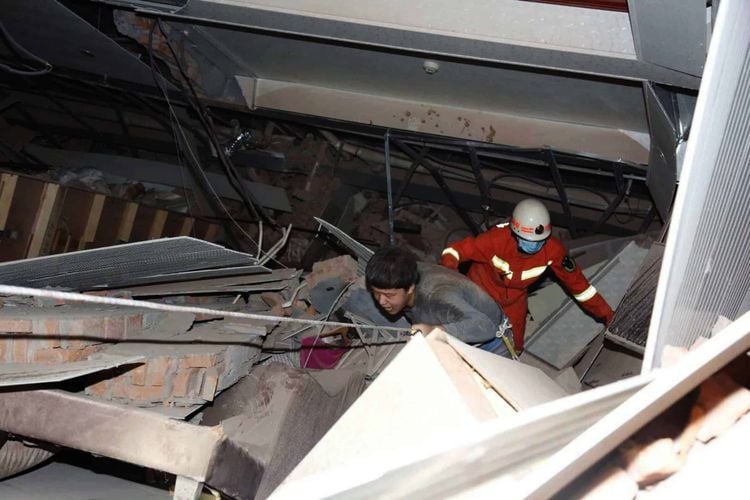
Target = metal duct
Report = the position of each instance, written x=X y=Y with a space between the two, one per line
x=706 y=272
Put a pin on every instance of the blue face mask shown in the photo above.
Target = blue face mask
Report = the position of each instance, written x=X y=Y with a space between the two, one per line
x=530 y=247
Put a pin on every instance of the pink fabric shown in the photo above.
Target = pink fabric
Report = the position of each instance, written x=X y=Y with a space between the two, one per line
x=319 y=355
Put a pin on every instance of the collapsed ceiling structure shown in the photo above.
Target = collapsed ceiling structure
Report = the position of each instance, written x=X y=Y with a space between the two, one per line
x=236 y=122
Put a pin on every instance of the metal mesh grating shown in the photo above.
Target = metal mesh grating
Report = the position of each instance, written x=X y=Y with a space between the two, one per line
x=121 y=264
x=706 y=260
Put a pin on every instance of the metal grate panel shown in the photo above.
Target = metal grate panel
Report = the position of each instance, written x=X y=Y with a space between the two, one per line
x=121 y=264
x=706 y=271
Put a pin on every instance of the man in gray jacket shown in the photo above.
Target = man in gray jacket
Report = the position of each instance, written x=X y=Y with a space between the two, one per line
x=428 y=296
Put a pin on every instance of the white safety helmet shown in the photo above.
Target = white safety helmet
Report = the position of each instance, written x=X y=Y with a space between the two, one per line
x=530 y=220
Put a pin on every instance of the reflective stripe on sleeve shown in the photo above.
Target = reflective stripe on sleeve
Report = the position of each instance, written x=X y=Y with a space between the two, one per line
x=586 y=294
x=452 y=252
x=503 y=266
x=502 y=225
x=533 y=272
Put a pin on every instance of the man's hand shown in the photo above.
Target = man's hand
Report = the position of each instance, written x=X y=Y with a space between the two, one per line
x=421 y=327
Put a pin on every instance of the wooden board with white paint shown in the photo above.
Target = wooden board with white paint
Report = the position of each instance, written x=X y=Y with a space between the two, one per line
x=521 y=385
x=412 y=410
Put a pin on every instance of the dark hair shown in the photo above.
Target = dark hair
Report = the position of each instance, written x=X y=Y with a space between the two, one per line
x=392 y=267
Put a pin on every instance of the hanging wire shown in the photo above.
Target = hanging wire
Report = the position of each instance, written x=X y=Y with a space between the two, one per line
x=177 y=127
x=22 y=52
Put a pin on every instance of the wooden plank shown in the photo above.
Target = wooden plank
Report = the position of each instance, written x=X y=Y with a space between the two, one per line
x=212 y=232
x=92 y=221
x=187 y=227
x=20 y=218
x=173 y=224
x=7 y=189
x=472 y=388
x=157 y=225
x=127 y=221
x=144 y=219
x=112 y=212
x=71 y=222
x=42 y=219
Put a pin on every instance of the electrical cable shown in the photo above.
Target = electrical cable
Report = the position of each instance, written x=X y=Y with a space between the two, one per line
x=22 y=52
x=252 y=204
x=177 y=126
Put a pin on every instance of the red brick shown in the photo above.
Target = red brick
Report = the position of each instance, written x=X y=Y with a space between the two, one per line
x=92 y=326
x=81 y=354
x=157 y=370
x=180 y=382
x=80 y=344
x=198 y=361
x=119 y=387
x=5 y=349
x=138 y=375
x=114 y=327
x=210 y=383
x=53 y=342
x=20 y=351
x=277 y=310
x=133 y=324
x=41 y=344
x=272 y=299
x=187 y=383
x=144 y=394
x=46 y=326
x=15 y=325
x=50 y=356
x=100 y=389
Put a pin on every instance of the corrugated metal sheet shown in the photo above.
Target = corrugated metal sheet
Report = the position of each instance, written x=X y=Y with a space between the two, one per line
x=121 y=264
x=706 y=270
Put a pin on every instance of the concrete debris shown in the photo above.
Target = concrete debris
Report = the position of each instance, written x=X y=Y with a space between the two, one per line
x=269 y=414
x=182 y=369
x=70 y=332
x=343 y=267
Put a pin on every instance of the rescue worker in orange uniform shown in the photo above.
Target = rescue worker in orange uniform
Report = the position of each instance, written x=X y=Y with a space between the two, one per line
x=509 y=258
